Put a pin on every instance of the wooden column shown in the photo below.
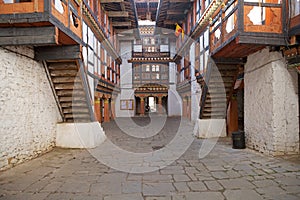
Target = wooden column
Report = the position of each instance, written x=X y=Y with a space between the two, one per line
x=106 y=110
x=232 y=116
x=97 y=107
x=113 y=110
x=142 y=106
x=160 y=105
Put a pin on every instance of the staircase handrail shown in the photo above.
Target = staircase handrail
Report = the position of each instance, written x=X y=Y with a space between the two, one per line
x=205 y=88
x=86 y=90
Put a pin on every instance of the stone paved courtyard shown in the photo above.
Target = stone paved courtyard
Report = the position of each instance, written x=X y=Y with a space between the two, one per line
x=225 y=173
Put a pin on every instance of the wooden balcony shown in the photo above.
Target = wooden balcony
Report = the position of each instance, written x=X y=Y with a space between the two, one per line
x=241 y=27
x=40 y=22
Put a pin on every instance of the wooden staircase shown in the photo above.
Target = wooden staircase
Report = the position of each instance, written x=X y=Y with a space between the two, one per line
x=71 y=93
x=217 y=90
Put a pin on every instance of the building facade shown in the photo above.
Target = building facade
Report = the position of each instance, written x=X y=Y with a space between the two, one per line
x=69 y=65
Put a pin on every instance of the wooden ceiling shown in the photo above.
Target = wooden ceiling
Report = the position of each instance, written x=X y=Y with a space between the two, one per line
x=146 y=9
x=171 y=12
x=122 y=13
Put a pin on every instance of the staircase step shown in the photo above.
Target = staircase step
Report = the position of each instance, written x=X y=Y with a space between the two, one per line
x=63 y=73
x=73 y=104
x=70 y=93
x=213 y=116
x=215 y=110
x=65 y=80
x=67 y=86
x=73 y=99
x=63 y=66
x=76 y=110
x=79 y=116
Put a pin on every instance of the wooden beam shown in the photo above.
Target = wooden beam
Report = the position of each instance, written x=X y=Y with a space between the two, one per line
x=69 y=52
x=28 y=35
x=118 y=14
x=121 y=24
x=111 y=1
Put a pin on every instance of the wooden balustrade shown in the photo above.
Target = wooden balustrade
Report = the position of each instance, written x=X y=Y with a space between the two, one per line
x=22 y=7
x=240 y=24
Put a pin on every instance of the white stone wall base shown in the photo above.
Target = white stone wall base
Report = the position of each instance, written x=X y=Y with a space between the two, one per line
x=79 y=135
x=211 y=128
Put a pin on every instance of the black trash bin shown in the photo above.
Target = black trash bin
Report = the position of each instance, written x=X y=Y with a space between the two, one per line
x=238 y=140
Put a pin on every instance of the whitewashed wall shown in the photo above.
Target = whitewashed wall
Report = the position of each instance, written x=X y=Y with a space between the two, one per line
x=28 y=110
x=127 y=91
x=271 y=104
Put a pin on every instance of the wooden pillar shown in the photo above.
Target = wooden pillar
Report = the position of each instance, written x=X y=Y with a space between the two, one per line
x=160 y=105
x=113 y=111
x=97 y=107
x=142 y=106
x=232 y=116
x=106 y=110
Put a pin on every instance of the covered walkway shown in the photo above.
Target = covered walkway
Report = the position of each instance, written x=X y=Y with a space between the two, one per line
x=225 y=173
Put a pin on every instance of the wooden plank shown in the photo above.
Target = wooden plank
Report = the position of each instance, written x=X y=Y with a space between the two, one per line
x=246 y=39
x=118 y=14
x=28 y=40
x=57 y=52
x=28 y=35
x=28 y=31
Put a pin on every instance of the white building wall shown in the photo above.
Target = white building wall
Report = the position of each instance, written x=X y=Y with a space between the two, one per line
x=271 y=104
x=195 y=87
x=127 y=91
x=174 y=100
x=28 y=110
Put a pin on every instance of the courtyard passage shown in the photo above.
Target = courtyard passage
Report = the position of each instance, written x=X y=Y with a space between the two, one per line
x=154 y=159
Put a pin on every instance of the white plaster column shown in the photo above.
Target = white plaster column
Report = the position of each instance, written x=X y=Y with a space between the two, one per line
x=271 y=104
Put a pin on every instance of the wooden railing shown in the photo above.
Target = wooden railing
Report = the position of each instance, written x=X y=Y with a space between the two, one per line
x=68 y=12
x=23 y=7
x=205 y=88
x=238 y=17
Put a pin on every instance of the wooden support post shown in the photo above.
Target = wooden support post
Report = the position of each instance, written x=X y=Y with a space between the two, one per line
x=160 y=105
x=106 y=110
x=113 y=110
x=36 y=6
x=232 y=117
x=97 y=107
x=142 y=106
